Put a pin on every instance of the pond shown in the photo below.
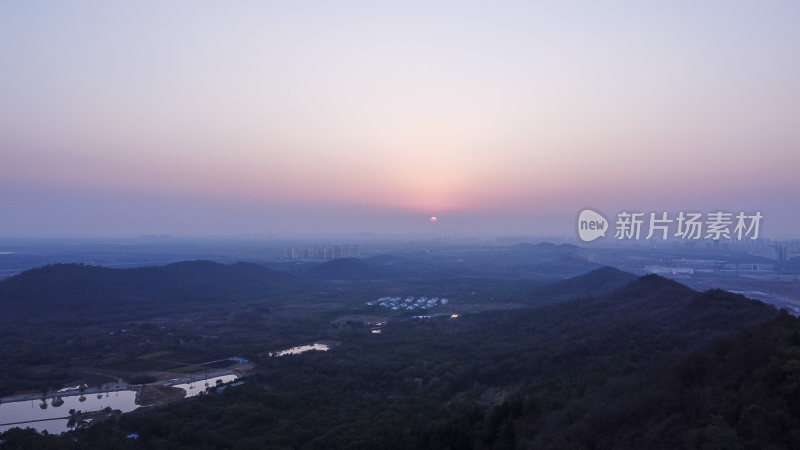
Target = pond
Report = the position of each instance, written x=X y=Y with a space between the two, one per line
x=195 y=387
x=301 y=349
x=54 y=417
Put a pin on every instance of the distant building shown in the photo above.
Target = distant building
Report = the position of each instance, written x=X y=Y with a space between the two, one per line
x=324 y=252
x=660 y=270
x=781 y=253
x=757 y=266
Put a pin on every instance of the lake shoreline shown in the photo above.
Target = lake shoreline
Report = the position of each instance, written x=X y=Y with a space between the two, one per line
x=68 y=393
x=117 y=387
x=129 y=398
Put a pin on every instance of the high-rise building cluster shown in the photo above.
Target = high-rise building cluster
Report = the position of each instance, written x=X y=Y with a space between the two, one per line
x=324 y=252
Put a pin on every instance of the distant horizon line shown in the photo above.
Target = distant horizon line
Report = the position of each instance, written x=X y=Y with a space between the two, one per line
x=375 y=236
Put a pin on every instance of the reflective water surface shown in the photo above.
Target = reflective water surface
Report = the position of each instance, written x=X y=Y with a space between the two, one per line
x=301 y=349
x=53 y=416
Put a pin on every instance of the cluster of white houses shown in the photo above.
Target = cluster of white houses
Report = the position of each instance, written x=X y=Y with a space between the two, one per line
x=409 y=303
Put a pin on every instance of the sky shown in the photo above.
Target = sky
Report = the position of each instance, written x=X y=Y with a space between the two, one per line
x=282 y=118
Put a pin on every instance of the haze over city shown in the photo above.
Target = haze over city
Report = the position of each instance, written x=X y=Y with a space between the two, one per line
x=202 y=118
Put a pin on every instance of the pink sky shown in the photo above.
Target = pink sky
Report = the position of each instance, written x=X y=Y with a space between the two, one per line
x=206 y=118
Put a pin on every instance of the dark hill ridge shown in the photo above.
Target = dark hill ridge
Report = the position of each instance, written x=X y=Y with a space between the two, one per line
x=523 y=261
x=678 y=362
x=669 y=299
x=527 y=260
x=596 y=282
x=344 y=268
x=652 y=364
x=627 y=348
x=381 y=267
x=77 y=288
x=660 y=303
x=650 y=307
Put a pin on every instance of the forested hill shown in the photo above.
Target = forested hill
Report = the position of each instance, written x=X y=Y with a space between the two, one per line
x=83 y=289
x=70 y=291
x=652 y=364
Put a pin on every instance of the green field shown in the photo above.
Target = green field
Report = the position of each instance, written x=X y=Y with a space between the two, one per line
x=162 y=361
